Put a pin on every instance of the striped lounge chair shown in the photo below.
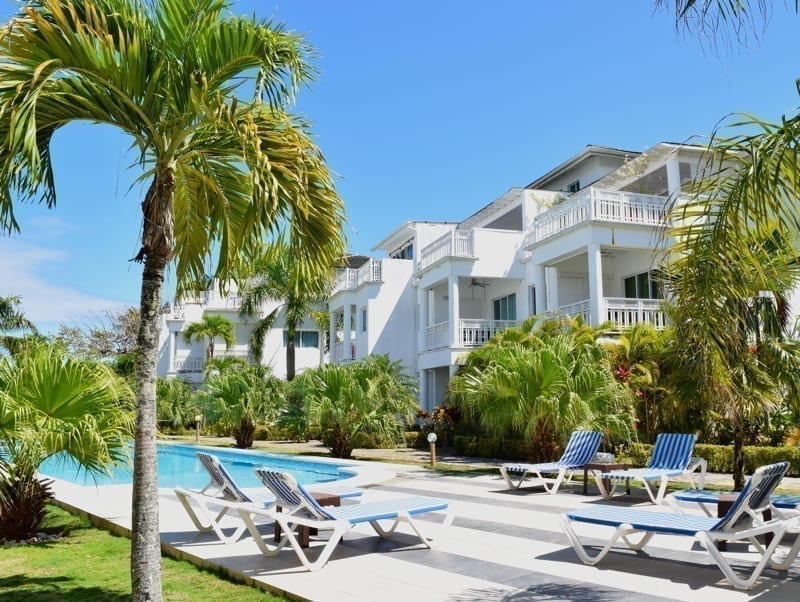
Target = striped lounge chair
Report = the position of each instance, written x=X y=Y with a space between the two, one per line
x=743 y=522
x=223 y=492
x=300 y=509
x=581 y=448
x=782 y=504
x=671 y=457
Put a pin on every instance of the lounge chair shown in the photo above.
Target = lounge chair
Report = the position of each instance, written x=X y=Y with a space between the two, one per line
x=222 y=491
x=581 y=448
x=743 y=522
x=671 y=457
x=300 y=509
x=782 y=504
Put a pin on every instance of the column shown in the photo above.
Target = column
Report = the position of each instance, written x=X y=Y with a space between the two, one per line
x=673 y=176
x=347 y=341
x=171 y=351
x=595 y=283
x=452 y=288
x=422 y=335
x=423 y=389
x=540 y=290
x=331 y=337
x=551 y=288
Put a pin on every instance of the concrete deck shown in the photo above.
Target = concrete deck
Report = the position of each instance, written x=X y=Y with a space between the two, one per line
x=502 y=545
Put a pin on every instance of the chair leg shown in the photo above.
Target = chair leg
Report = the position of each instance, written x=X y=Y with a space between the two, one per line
x=623 y=531
x=726 y=568
x=662 y=490
x=210 y=524
x=601 y=485
x=512 y=484
x=553 y=489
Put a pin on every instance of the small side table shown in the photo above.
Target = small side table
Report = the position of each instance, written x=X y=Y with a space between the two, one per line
x=604 y=467
x=323 y=499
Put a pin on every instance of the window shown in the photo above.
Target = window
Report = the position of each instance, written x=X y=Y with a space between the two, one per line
x=531 y=300
x=302 y=338
x=574 y=186
x=643 y=286
x=404 y=252
x=505 y=308
x=363 y=319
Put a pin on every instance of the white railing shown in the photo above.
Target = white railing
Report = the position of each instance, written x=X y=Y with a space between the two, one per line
x=475 y=333
x=437 y=336
x=458 y=243
x=621 y=312
x=627 y=312
x=350 y=279
x=189 y=364
x=343 y=352
x=599 y=205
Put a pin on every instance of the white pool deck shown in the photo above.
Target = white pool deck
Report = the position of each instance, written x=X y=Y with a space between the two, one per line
x=502 y=545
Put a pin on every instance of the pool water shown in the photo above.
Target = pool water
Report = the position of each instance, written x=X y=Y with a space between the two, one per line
x=179 y=467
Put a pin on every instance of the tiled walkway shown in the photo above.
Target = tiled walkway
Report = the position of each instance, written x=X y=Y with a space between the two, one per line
x=502 y=546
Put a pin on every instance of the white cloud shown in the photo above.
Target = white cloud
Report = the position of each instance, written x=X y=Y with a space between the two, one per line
x=23 y=269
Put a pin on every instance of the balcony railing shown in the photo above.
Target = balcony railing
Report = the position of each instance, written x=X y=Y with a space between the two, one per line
x=351 y=279
x=471 y=333
x=599 y=205
x=189 y=365
x=458 y=243
x=343 y=352
x=621 y=312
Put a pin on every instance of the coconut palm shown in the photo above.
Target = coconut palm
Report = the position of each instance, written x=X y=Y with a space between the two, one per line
x=13 y=321
x=544 y=391
x=211 y=327
x=50 y=404
x=222 y=170
x=372 y=397
x=275 y=276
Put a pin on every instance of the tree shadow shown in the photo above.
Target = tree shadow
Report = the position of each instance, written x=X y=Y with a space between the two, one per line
x=543 y=591
x=19 y=587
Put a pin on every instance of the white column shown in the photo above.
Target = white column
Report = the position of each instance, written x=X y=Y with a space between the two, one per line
x=332 y=337
x=171 y=351
x=452 y=288
x=422 y=335
x=673 y=176
x=551 y=288
x=540 y=291
x=347 y=334
x=595 y=283
x=423 y=389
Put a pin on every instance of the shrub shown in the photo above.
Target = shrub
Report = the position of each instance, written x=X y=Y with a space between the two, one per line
x=490 y=447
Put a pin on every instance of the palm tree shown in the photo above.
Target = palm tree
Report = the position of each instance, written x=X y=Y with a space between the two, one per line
x=211 y=327
x=13 y=320
x=222 y=171
x=275 y=276
x=372 y=397
x=51 y=403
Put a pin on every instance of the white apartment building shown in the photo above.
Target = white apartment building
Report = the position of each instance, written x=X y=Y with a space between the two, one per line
x=177 y=358
x=579 y=240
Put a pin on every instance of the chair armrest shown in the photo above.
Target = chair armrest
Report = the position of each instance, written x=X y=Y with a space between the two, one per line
x=698 y=464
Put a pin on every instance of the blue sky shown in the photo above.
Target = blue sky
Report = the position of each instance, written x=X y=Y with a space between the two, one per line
x=425 y=111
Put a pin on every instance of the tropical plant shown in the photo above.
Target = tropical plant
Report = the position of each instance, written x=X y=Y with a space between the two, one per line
x=276 y=276
x=211 y=327
x=176 y=403
x=53 y=404
x=221 y=171
x=373 y=397
x=242 y=399
x=13 y=322
x=220 y=365
x=542 y=390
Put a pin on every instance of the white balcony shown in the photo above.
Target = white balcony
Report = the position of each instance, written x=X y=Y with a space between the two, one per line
x=597 y=205
x=343 y=352
x=458 y=243
x=621 y=312
x=350 y=279
x=471 y=333
x=189 y=365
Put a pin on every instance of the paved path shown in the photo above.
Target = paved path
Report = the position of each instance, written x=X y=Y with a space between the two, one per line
x=503 y=545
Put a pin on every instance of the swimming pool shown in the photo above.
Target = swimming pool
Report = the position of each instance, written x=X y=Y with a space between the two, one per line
x=178 y=467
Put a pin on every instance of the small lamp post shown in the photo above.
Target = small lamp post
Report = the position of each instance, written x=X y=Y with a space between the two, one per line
x=432 y=441
x=197 y=420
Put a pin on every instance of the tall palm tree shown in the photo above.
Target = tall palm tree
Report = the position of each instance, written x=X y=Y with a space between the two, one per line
x=13 y=320
x=211 y=327
x=222 y=170
x=51 y=403
x=275 y=276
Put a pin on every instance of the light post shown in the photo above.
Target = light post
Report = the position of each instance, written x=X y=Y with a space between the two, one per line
x=432 y=441
x=197 y=420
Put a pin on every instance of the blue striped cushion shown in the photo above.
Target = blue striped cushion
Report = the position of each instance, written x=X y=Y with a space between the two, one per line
x=389 y=509
x=710 y=496
x=672 y=451
x=656 y=522
x=290 y=494
x=581 y=448
x=755 y=493
x=641 y=473
x=222 y=478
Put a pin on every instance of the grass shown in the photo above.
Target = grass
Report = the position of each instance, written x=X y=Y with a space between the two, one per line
x=92 y=564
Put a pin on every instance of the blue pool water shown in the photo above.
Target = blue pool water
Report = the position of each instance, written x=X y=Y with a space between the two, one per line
x=178 y=467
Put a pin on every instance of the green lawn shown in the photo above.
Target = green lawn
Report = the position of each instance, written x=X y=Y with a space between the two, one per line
x=91 y=564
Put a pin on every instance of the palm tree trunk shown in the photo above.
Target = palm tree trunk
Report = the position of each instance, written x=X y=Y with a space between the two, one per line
x=157 y=242
x=146 y=540
x=738 y=455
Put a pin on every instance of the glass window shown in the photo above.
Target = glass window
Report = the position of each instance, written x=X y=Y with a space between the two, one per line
x=404 y=252
x=302 y=338
x=643 y=286
x=363 y=319
x=531 y=300
x=505 y=308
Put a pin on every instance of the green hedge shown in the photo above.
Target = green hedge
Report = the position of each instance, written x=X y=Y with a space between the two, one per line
x=719 y=457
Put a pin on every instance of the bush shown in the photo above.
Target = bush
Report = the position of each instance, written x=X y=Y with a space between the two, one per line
x=490 y=447
x=416 y=439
